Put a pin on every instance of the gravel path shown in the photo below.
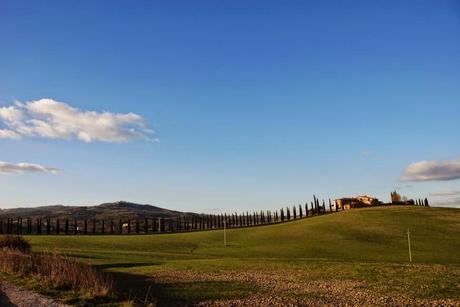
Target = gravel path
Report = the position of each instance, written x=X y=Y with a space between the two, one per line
x=289 y=290
x=11 y=295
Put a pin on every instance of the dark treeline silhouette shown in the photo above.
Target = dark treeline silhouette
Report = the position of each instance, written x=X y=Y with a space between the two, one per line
x=168 y=224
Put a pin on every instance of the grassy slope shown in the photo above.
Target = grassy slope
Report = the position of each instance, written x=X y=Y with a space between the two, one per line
x=367 y=244
x=363 y=235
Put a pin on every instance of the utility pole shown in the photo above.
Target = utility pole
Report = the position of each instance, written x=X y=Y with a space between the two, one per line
x=408 y=242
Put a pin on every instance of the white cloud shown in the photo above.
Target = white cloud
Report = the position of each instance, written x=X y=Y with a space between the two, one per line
x=432 y=171
x=446 y=193
x=9 y=134
x=11 y=168
x=48 y=118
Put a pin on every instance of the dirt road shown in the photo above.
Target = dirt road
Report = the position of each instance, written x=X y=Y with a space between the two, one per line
x=11 y=295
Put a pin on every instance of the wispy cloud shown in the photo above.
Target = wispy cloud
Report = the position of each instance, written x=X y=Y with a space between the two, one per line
x=432 y=171
x=19 y=168
x=48 y=118
x=446 y=193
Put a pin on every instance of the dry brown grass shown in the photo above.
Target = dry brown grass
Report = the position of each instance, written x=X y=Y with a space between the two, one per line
x=14 y=243
x=57 y=271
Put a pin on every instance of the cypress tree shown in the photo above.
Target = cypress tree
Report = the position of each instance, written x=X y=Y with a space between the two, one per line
x=282 y=214
x=39 y=226
x=300 y=211
x=66 y=226
x=288 y=213
x=294 y=212
x=57 y=226
x=426 y=202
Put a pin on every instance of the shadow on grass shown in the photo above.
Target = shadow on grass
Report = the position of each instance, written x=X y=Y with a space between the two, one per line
x=144 y=290
x=125 y=265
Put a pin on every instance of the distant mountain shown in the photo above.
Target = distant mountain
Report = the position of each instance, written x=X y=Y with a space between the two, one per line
x=107 y=211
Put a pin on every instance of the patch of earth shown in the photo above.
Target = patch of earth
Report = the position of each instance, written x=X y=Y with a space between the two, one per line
x=11 y=295
x=288 y=288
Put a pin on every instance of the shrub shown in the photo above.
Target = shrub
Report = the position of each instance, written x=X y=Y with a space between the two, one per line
x=15 y=243
x=57 y=271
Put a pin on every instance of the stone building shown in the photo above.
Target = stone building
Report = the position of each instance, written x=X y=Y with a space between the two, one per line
x=360 y=201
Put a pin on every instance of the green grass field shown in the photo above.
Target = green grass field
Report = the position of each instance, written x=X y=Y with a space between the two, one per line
x=366 y=248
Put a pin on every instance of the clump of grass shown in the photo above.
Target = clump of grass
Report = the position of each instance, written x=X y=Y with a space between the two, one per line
x=15 y=243
x=56 y=271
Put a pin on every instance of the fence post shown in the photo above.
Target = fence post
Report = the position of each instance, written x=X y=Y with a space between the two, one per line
x=85 y=227
x=75 y=227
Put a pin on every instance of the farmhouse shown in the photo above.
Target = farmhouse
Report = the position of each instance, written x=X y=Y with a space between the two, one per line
x=360 y=201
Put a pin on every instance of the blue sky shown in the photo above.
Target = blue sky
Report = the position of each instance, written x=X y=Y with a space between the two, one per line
x=253 y=104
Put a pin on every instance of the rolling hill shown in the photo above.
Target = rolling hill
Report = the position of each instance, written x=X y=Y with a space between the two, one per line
x=354 y=257
x=115 y=210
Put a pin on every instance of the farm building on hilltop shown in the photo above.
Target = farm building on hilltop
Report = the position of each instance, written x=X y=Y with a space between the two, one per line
x=356 y=202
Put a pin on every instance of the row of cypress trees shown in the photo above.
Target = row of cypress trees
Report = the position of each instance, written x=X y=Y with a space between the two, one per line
x=179 y=223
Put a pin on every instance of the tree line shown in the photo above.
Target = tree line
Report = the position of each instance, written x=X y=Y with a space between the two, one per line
x=178 y=223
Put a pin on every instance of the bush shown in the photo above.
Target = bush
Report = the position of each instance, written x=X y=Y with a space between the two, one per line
x=57 y=271
x=15 y=243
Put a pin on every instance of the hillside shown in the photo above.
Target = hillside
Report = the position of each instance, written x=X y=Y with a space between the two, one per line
x=355 y=257
x=370 y=234
x=115 y=210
